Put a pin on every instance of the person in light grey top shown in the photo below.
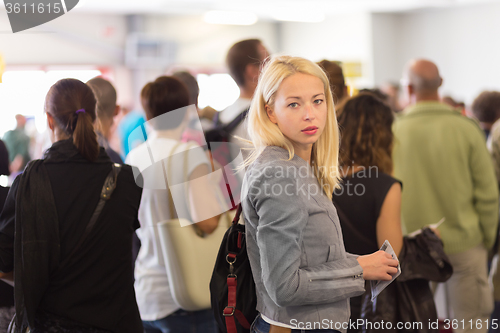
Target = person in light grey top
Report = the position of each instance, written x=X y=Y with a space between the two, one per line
x=303 y=275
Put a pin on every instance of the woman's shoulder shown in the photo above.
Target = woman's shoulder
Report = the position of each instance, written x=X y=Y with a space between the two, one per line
x=129 y=178
x=374 y=185
x=3 y=195
x=194 y=150
x=127 y=170
x=372 y=175
x=276 y=157
x=385 y=177
x=275 y=165
x=388 y=180
x=274 y=170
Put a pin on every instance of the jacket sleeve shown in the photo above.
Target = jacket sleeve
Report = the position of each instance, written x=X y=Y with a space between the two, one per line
x=485 y=189
x=354 y=256
x=7 y=228
x=282 y=219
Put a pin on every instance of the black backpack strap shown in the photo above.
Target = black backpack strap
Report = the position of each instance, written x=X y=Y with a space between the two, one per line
x=218 y=124
x=237 y=215
x=221 y=132
x=216 y=120
x=106 y=191
x=230 y=313
x=236 y=121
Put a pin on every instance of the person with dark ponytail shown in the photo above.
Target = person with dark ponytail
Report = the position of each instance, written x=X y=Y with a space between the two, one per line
x=65 y=122
x=6 y=291
x=71 y=260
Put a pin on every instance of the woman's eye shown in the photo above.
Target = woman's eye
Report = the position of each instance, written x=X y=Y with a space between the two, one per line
x=293 y=105
x=318 y=101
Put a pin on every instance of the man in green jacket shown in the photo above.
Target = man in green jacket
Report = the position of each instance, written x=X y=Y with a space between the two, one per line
x=18 y=142
x=442 y=159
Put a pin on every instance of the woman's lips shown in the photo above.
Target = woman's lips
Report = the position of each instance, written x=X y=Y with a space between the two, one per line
x=310 y=130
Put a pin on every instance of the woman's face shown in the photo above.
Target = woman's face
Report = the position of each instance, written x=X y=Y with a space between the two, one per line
x=300 y=109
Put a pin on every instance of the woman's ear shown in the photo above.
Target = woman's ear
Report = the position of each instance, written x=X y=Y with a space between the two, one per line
x=50 y=121
x=117 y=111
x=270 y=114
x=52 y=127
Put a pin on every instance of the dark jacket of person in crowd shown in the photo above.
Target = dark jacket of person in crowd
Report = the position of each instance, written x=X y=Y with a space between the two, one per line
x=53 y=201
x=6 y=291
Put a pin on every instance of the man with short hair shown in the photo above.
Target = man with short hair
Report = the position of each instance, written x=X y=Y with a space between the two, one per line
x=486 y=108
x=488 y=102
x=196 y=123
x=244 y=60
x=442 y=159
x=106 y=110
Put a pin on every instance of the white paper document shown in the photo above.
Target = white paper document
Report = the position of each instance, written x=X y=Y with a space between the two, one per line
x=377 y=286
x=431 y=226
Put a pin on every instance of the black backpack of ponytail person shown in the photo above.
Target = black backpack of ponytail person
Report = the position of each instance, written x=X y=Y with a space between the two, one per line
x=232 y=288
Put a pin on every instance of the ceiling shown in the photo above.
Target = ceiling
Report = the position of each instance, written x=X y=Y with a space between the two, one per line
x=265 y=9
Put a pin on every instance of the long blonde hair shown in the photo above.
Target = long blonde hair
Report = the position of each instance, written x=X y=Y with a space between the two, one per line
x=263 y=133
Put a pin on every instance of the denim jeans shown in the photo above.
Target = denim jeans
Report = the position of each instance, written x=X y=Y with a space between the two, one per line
x=261 y=326
x=183 y=321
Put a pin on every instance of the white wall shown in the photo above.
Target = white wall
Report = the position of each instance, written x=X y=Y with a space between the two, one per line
x=99 y=39
x=341 y=37
x=77 y=38
x=462 y=41
x=73 y=40
x=69 y=39
x=206 y=44
x=384 y=47
x=201 y=47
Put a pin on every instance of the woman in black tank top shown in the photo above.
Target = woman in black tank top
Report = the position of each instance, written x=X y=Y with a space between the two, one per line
x=369 y=198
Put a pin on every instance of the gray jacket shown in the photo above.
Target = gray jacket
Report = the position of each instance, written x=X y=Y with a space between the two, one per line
x=294 y=241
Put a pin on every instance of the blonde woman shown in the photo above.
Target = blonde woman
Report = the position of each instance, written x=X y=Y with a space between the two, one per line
x=303 y=275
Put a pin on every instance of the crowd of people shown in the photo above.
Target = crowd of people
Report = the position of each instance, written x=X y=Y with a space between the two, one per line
x=81 y=248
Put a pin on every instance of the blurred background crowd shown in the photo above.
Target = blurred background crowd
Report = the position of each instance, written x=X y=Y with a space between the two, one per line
x=366 y=48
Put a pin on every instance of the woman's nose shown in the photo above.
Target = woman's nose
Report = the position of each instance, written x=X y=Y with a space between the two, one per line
x=309 y=112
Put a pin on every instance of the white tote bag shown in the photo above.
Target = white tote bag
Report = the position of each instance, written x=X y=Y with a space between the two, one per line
x=189 y=258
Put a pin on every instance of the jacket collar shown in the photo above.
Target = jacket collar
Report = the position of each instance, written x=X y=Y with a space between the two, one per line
x=428 y=106
x=64 y=151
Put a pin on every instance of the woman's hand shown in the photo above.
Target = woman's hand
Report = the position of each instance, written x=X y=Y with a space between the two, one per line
x=378 y=266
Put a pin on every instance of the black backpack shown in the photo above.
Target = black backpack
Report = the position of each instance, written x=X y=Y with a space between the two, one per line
x=217 y=140
x=232 y=288
x=222 y=132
